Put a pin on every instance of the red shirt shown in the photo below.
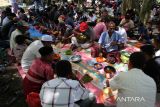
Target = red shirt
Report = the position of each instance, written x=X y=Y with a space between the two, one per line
x=38 y=73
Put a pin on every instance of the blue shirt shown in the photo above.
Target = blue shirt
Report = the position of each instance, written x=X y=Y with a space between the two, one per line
x=106 y=41
x=143 y=31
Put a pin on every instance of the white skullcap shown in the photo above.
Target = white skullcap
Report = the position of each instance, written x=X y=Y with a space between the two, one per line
x=47 y=38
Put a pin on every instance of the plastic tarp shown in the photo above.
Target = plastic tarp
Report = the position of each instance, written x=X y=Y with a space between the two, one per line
x=34 y=33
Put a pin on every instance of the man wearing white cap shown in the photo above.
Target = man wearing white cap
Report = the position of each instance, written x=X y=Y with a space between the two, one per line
x=32 y=52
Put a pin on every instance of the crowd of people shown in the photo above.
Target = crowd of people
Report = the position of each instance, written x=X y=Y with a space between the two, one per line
x=28 y=36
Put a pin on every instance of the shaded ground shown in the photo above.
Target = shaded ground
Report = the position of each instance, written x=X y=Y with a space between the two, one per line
x=11 y=94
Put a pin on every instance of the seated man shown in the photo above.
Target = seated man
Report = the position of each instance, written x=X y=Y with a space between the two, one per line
x=39 y=72
x=84 y=36
x=6 y=28
x=19 y=48
x=100 y=27
x=128 y=25
x=32 y=52
x=20 y=29
x=64 y=91
x=109 y=40
x=135 y=87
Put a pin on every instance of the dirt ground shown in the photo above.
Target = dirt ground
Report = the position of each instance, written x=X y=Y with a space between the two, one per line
x=11 y=93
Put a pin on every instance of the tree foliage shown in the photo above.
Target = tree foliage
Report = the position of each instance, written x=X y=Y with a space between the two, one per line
x=142 y=7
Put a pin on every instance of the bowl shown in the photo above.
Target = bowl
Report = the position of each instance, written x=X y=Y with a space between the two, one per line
x=75 y=58
x=81 y=38
x=111 y=60
x=98 y=66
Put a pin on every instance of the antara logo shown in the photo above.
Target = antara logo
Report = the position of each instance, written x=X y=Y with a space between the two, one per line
x=131 y=99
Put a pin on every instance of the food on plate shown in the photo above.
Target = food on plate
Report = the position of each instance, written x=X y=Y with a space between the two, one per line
x=55 y=32
x=124 y=59
x=98 y=66
x=81 y=38
x=100 y=59
x=56 y=57
x=110 y=71
x=111 y=60
x=86 y=78
x=138 y=45
x=125 y=56
x=68 y=52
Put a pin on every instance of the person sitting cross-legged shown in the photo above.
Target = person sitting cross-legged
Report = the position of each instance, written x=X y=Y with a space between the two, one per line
x=31 y=53
x=109 y=40
x=64 y=91
x=83 y=36
x=19 y=48
x=40 y=71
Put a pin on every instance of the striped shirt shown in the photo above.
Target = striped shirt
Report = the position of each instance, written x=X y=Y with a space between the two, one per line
x=62 y=92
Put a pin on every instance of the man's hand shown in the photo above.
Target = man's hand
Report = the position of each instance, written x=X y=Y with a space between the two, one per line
x=113 y=43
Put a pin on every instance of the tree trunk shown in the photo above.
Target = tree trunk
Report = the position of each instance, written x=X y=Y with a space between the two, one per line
x=145 y=10
x=80 y=2
x=129 y=4
x=124 y=7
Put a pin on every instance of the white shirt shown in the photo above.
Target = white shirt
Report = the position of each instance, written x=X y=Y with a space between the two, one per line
x=157 y=53
x=14 y=34
x=62 y=92
x=134 y=83
x=93 y=18
x=121 y=31
x=19 y=50
x=5 y=21
x=12 y=1
x=31 y=53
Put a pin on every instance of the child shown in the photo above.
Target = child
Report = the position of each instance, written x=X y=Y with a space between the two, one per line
x=109 y=71
x=20 y=47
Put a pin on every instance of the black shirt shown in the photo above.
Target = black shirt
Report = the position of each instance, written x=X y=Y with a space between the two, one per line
x=152 y=69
